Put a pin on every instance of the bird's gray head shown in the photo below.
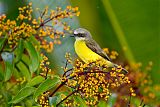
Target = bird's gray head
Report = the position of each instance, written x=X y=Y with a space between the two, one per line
x=82 y=34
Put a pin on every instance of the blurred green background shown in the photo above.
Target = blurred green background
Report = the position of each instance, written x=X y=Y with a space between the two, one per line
x=130 y=27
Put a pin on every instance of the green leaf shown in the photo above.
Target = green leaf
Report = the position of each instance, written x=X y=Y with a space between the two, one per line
x=112 y=100
x=80 y=101
x=56 y=98
x=119 y=32
x=7 y=97
x=24 y=70
x=53 y=101
x=103 y=104
x=36 y=80
x=8 y=70
x=34 y=41
x=29 y=103
x=23 y=93
x=1 y=73
x=16 y=73
x=8 y=60
x=25 y=59
x=33 y=56
x=46 y=85
x=19 y=50
x=2 y=40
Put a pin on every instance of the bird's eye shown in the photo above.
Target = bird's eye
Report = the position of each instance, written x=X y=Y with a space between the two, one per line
x=81 y=35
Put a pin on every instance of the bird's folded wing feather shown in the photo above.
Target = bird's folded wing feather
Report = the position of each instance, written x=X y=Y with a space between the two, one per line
x=96 y=48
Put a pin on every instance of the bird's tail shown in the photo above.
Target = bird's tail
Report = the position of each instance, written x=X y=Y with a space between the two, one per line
x=124 y=71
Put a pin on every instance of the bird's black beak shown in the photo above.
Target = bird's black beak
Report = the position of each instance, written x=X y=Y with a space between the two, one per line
x=72 y=35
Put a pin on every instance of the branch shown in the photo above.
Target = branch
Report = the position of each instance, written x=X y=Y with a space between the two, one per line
x=66 y=97
x=67 y=71
x=49 y=19
x=57 y=88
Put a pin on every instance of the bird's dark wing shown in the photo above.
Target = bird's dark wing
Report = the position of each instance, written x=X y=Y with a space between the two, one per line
x=96 y=48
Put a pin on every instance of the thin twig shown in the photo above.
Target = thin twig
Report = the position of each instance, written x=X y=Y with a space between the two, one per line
x=67 y=71
x=84 y=73
x=4 y=44
x=41 y=15
x=57 y=88
x=46 y=74
x=48 y=20
x=129 y=103
x=66 y=97
x=141 y=102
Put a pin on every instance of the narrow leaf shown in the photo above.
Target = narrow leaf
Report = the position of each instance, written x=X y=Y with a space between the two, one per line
x=33 y=56
x=46 y=85
x=24 y=70
x=80 y=101
x=118 y=30
x=103 y=104
x=53 y=101
x=25 y=59
x=34 y=41
x=36 y=80
x=23 y=93
x=2 y=40
x=112 y=99
x=56 y=98
x=8 y=59
x=16 y=74
x=1 y=73
x=8 y=70
x=19 y=50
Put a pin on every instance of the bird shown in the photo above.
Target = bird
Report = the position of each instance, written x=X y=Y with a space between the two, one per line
x=88 y=49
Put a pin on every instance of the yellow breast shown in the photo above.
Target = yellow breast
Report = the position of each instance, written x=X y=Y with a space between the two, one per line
x=86 y=54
